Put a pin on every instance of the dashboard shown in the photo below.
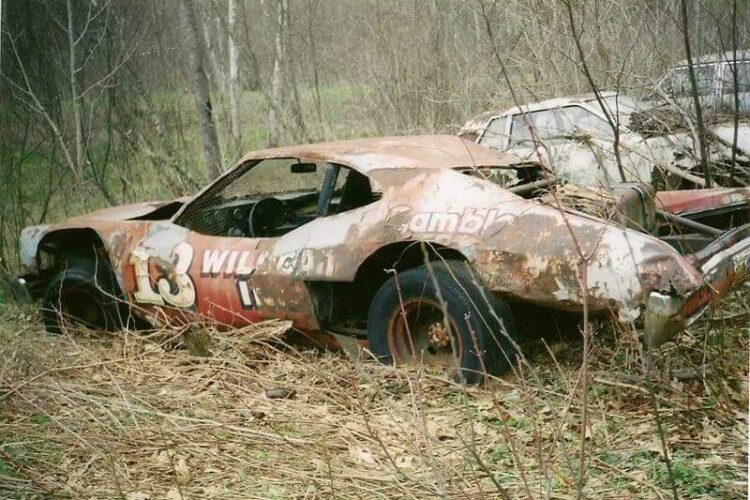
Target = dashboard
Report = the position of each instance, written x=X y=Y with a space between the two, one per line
x=275 y=216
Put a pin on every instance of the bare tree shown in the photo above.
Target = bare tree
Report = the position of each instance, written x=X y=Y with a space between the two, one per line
x=90 y=72
x=234 y=76
x=613 y=117
x=74 y=92
x=735 y=82
x=696 y=98
x=215 y=53
x=312 y=9
x=201 y=93
x=278 y=77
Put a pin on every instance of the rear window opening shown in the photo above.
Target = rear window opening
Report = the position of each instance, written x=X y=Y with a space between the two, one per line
x=519 y=180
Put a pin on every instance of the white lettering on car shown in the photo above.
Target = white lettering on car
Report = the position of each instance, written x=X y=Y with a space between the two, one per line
x=305 y=262
x=180 y=282
x=213 y=261
x=472 y=221
x=245 y=265
x=143 y=293
x=233 y=263
x=175 y=287
x=248 y=296
x=230 y=262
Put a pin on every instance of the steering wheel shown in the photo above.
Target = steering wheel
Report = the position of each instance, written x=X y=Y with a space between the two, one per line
x=267 y=214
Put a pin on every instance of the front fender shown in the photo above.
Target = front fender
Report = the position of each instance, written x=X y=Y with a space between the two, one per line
x=28 y=247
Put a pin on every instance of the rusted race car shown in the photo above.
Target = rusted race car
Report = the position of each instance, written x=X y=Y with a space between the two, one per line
x=422 y=248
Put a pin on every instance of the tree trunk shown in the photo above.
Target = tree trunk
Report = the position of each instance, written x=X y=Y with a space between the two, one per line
x=735 y=81
x=234 y=78
x=199 y=82
x=216 y=54
x=295 y=108
x=696 y=98
x=74 y=94
x=277 y=78
x=314 y=58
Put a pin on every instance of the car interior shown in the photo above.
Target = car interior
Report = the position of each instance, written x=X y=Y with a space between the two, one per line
x=269 y=198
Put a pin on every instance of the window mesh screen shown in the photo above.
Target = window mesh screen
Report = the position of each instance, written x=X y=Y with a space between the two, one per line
x=224 y=208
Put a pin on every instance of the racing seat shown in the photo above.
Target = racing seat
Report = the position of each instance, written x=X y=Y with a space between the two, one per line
x=357 y=192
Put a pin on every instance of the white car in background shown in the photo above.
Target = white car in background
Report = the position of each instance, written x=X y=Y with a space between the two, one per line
x=574 y=139
x=715 y=80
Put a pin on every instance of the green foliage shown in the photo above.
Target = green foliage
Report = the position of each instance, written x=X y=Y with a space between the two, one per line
x=695 y=479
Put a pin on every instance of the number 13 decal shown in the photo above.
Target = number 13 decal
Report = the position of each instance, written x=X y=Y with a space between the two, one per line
x=176 y=289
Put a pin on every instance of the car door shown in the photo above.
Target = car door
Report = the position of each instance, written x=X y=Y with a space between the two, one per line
x=592 y=142
x=521 y=140
x=178 y=274
x=204 y=265
x=677 y=86
x=728 y=88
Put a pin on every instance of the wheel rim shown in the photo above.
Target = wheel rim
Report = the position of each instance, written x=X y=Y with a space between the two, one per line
x=420 y=332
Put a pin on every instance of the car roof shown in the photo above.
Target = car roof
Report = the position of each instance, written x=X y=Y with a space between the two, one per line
x=742 y=55
x=476 y=123
x=364 y=155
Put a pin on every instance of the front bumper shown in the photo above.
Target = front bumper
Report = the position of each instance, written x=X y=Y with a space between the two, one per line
x=667 y=315
x=31 y=287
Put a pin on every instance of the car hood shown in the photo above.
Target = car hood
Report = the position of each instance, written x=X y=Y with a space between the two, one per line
x=725 y=132
x=28 y=242
x=127 y=212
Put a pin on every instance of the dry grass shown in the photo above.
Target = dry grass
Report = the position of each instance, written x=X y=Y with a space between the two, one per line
x=597 y=202
x=138 y=416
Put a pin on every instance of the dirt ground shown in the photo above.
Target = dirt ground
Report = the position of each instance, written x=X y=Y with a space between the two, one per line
x=241 y=414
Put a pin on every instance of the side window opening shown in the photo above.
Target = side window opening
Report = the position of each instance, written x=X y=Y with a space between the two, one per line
x=577 y=117
x=507 y=177
x=284 y=190
x=519 y=132
x=544 y=123
x=704 y=76
x=678 y=82
x=494 y=135
x=356 y=191
x=557 y=122
x=743 y=77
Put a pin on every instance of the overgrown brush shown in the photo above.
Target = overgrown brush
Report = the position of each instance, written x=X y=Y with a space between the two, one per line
x=138 y=415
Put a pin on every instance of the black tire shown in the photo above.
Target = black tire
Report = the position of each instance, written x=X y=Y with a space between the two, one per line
x=81 y=295
x=480 y=326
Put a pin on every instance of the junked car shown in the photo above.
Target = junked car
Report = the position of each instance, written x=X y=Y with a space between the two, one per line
x=421 y=248
x=575 y=139
x=715 y=80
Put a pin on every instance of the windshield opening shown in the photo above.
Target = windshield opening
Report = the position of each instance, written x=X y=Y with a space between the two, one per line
x=618 y=106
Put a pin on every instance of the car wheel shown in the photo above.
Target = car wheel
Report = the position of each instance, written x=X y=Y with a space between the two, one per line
x=80 y=296
x=472 y=334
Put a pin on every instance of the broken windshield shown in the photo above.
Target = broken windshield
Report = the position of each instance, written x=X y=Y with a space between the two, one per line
x=621 y=105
